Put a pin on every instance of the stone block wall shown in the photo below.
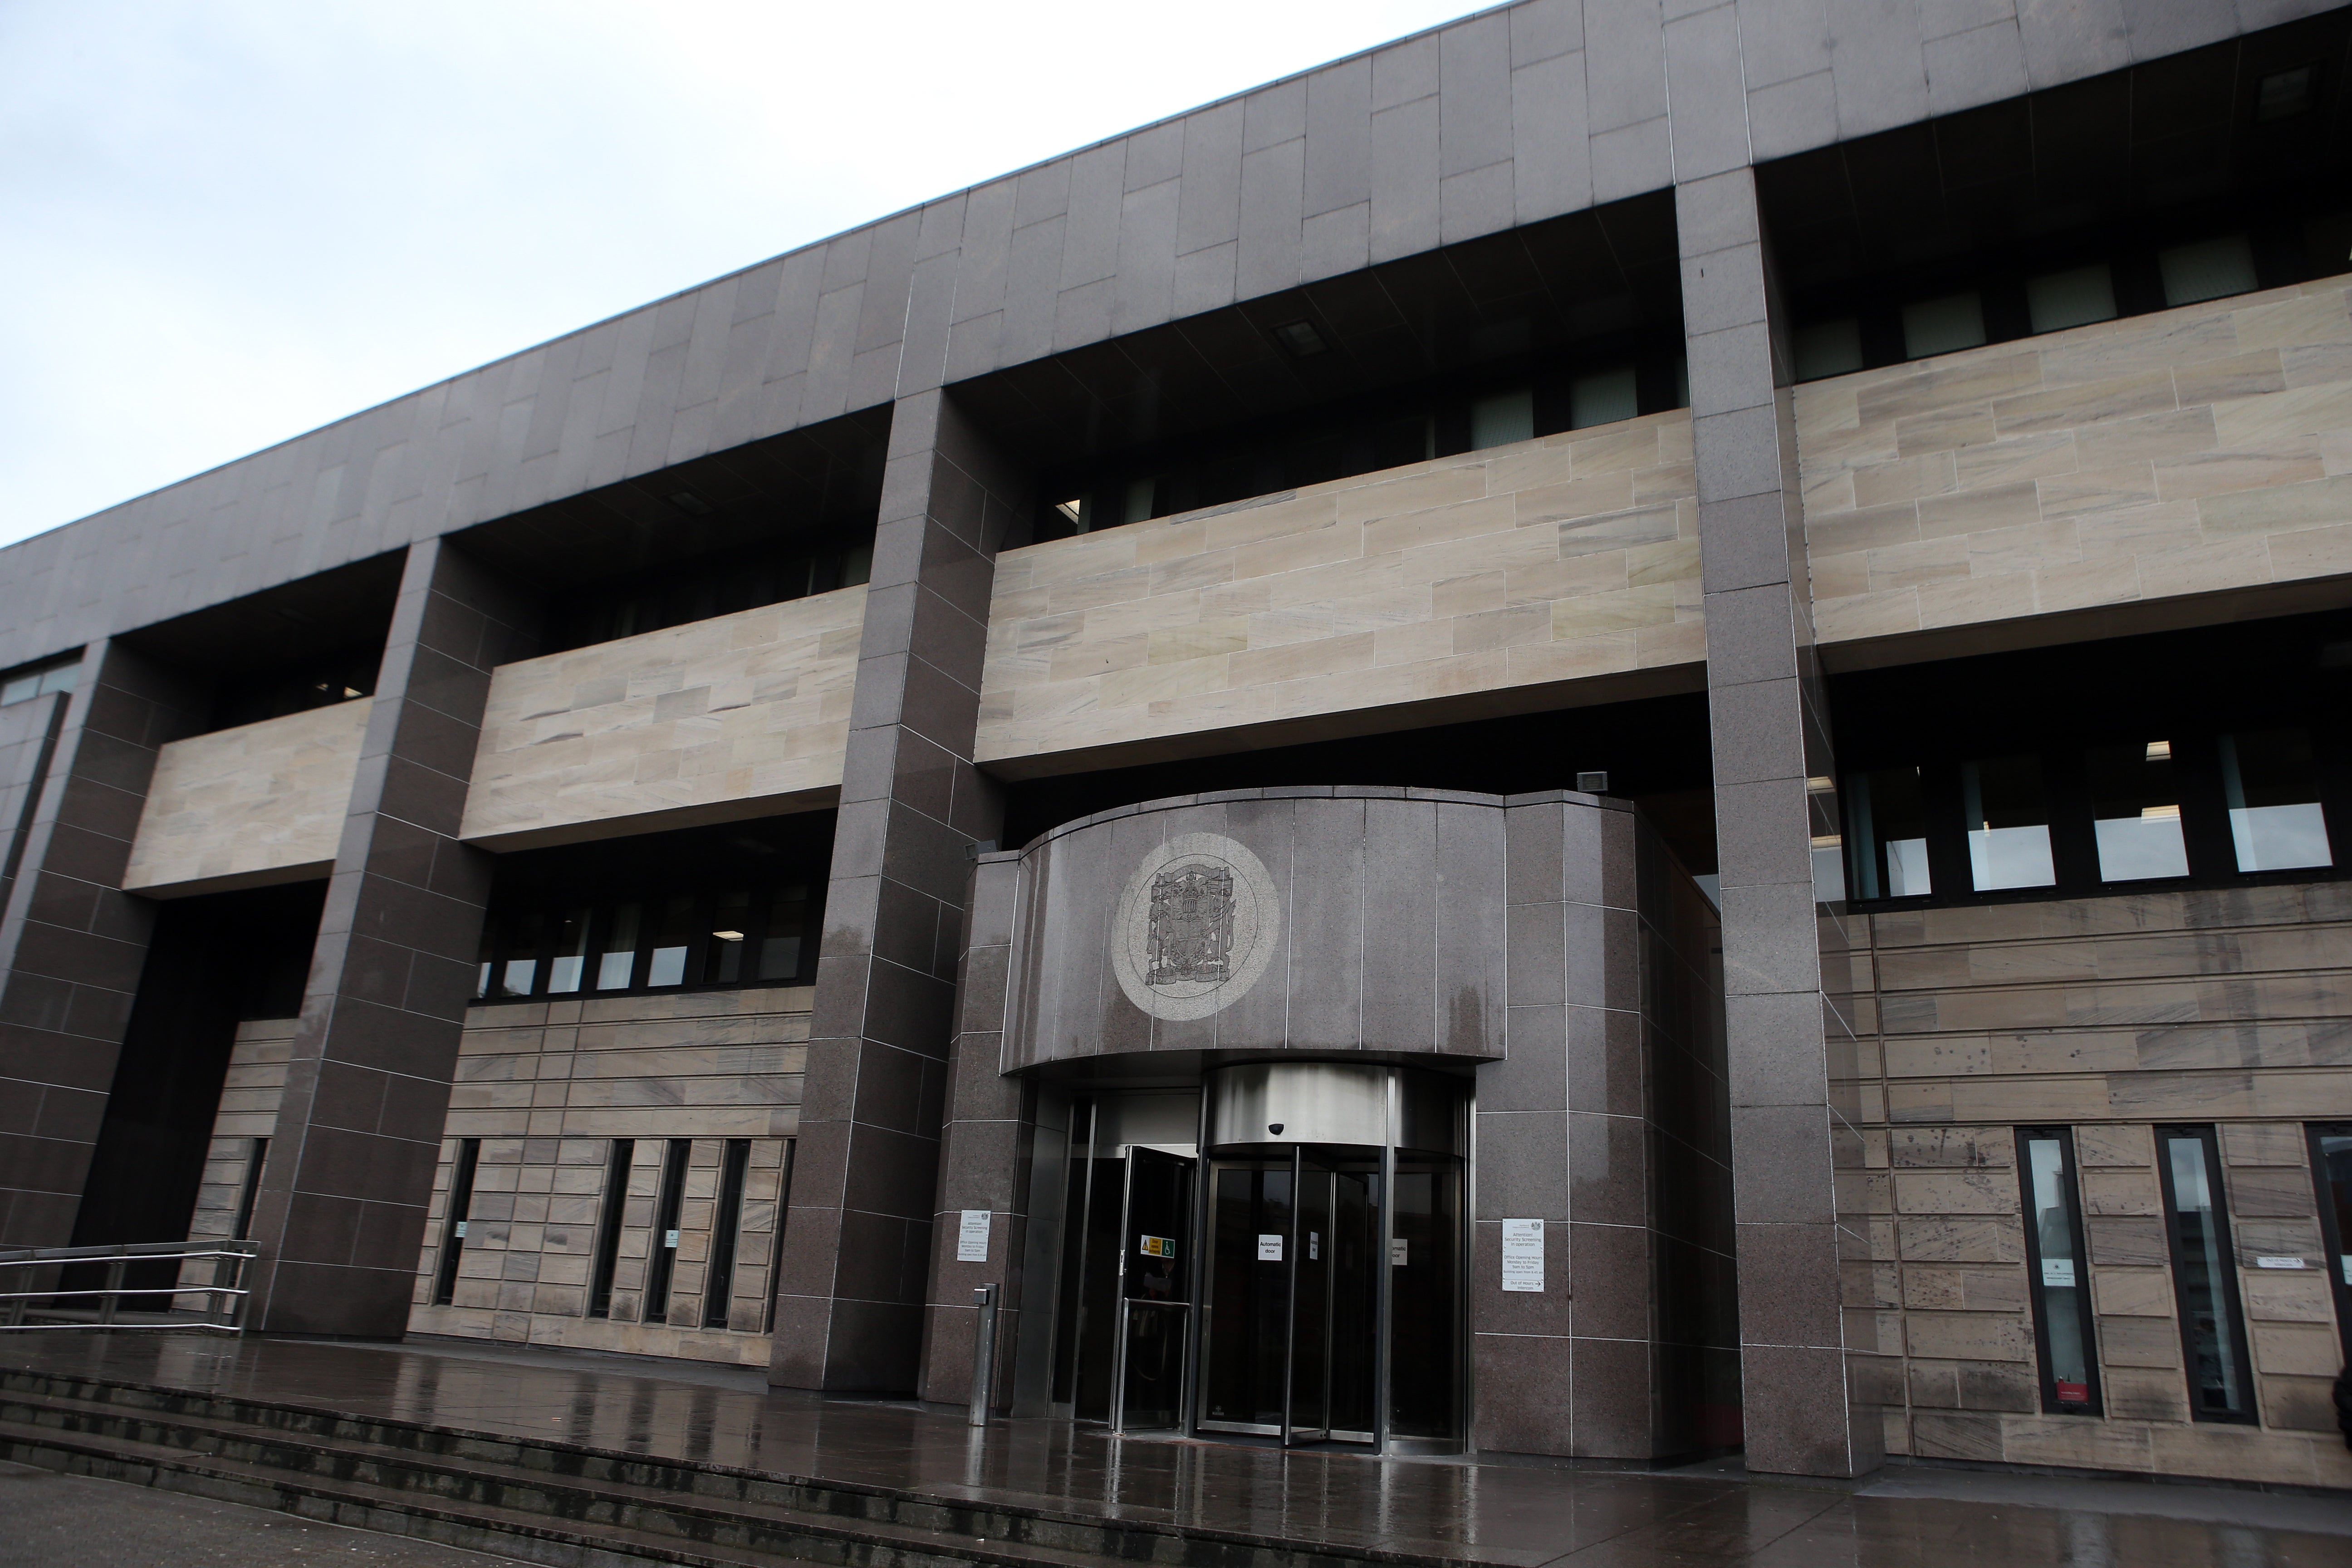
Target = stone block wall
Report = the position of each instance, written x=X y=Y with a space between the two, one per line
x=739 y=715
x=254 y=1083
x=246 y=808
x=2196 y=450
x=547 y=1086
x=2110 y=1015
x=1555 y=560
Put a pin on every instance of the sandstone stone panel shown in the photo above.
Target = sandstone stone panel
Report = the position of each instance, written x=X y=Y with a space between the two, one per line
x=1521 y=568
x=2200 y=450
x=736 y=716
x=249 y=806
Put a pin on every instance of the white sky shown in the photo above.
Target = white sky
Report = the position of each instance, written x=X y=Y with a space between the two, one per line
x=226 y=222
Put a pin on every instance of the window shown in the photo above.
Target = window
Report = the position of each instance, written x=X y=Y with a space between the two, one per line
x=616 y=961
x=2331 y=1167
x=520 y=971
x=2056 y=300
x=2271 y=784
x=1889 y=832
x=2209 y=269
x=554 y=943
x=453 y=1224
x=1829 y=347
x=2136 y=812
x=40 y=679
x=608 y=1227
x=725 y=1231
x=1602 y=398
x=2057 y=1272
x=2204 y=1275
x=249 y=1192
x=2008 y=824
x=568 y=961
x=1502 y=417
x=1944 y=325
x=663 y=1263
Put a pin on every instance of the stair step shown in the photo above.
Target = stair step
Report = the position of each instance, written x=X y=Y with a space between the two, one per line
x=668 y=1508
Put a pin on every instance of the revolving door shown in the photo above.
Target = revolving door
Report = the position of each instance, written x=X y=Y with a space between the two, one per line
x=1297 y=1276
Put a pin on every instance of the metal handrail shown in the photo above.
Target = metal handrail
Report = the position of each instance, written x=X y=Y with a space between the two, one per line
x=224 y=1297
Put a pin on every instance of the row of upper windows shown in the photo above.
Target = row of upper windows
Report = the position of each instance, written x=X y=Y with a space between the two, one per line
x=696 y=940
x=40 y=679
x=2153 y=810
x=2203 y=1254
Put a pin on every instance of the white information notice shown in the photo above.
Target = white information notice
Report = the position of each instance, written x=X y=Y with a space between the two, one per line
x=971 y=1236
x=2058 y=1273
x=2278 y=1262
x=1523 y=1255
x=1397 y=1249
x=1269 y=1249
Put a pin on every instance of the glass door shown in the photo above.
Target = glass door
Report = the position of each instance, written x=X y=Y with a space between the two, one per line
x=1155 y=1243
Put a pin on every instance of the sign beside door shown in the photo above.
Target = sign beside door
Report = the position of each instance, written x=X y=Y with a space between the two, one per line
x=1269 y=1248
x=1523 y=1259
x=971 y=1236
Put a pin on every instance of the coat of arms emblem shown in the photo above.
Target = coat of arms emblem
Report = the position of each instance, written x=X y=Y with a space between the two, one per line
x=1191 y=936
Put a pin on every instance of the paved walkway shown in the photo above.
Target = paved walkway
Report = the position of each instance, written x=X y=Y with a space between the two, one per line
x=1516 y=1514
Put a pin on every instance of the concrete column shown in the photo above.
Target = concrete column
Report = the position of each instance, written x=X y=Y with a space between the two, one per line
x=850 y=1293
x=1806 y=1405
x=71 y=942
x=340 y=1214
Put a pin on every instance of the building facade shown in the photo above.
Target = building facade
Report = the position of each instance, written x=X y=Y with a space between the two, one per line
x=1613 y=733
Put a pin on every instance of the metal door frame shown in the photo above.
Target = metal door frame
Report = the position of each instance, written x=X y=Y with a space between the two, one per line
x=1127 y=1305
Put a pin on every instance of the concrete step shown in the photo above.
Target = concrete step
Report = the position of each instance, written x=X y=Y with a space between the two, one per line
x=553 y=1501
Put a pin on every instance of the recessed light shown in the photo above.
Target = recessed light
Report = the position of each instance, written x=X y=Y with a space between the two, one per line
x=2159 y=751
x=1300 y=338
x=691 y=504
x=728 y=936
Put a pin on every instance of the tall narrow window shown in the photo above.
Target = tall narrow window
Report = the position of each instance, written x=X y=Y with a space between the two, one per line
x=1889 y=834
x=608 y=1227
x=673 y=940
x=616 y=960
x=2204 y=1275
x=567 y=965
x=726 y=1230
x=722 y=961
x=453 y=1224
x=2272 y=783
x=2009 y=824
x=2057 y=1271
x=2331 y=1166
x=250 y=1192
x=776 y=1237
x=664 y=1262
x=485 y=957
x=520 y=970
x=785 y=937
x=2136 y=812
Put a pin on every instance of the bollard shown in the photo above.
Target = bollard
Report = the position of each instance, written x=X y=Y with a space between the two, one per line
x=983 y=1353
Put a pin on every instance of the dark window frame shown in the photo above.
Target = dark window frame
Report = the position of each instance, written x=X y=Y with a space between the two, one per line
x=2209 y=1136
x=453 y=1222
x=726 y=1232
x=611 y=1216
x=497 y=948
x=2036 y=1284
x=2332 y=1236
x=661 y=1257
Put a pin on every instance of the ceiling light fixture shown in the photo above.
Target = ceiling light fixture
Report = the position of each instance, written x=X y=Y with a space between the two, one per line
x=1300 y=338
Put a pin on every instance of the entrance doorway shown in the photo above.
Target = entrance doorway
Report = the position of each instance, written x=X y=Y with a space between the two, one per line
x=1299 y=1278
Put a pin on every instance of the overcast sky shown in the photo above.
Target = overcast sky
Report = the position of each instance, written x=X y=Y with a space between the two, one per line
x=226 y=222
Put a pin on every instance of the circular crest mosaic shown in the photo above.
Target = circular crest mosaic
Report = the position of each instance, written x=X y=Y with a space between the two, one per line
x=1196 y=926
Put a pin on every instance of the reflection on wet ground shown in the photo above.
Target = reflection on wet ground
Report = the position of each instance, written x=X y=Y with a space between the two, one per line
x=1499 y=1512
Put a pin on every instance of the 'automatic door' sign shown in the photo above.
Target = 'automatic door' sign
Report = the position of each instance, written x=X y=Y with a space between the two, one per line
x=1196 y=926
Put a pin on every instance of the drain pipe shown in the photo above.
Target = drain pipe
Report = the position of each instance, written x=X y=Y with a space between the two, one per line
x=983 y=1353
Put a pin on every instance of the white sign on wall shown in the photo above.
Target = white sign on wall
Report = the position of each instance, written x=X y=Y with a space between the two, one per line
x=972 y=1237
x=1269 y=1249
x=1523 y=1247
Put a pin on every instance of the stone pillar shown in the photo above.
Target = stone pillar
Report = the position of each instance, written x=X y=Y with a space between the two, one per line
x=340 y=1214
x=850 y=1293
x=984 y=1149
x=71 y=942
x=1807 y=1408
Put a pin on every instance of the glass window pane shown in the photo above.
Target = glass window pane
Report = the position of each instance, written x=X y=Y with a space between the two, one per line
x=2204 y=1273
x=672 y=939
x=19 y=688
x=1941 y=326
x=568 y=961
x=1888 y=823
x=486 y=956
x=617 y=956
x=722 y=964
x=522 y=967
x=2331 y=1161
x=2272 y=786
x=2073 y=299
x=787 y=927
x=1602 y=398
x=1829 y=347
x=2062 y=1290
x=1501 y=418
x=2136 y=812
x=2009 y=824
x=2208 y=269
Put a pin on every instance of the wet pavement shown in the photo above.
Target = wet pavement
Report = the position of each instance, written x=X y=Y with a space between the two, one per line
x=1521 y=1514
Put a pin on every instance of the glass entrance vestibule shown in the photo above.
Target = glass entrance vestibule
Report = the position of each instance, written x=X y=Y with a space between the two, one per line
x=1279 y=1255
